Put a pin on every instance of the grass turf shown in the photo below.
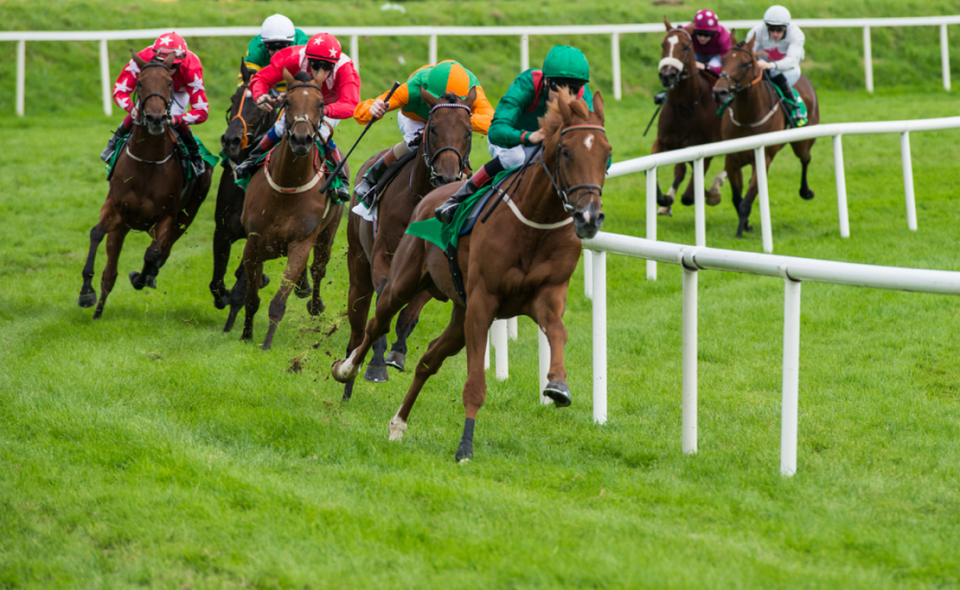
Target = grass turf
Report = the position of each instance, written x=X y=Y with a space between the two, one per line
x=149 y=449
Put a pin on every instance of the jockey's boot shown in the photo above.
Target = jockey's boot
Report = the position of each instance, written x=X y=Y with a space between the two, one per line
x=249 y=166
x=112 y=143
x=193 y=153
x=446 y=211
x=660 y=97
x=342 y=193
x=371 y=177
x=796 y=113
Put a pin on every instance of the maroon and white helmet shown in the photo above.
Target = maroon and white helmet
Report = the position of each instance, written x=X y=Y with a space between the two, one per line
x=706 y=20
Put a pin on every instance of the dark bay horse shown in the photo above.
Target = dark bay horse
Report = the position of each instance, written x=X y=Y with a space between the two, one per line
x=246 y=124
x=755 y=109
x=517 y=263
x=284 y=214
x=441 y=158
x=689 y=115
x=145 y=190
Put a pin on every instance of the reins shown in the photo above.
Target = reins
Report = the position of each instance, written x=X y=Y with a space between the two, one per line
x=738 y=88
x=141 y=101
x=429 y=157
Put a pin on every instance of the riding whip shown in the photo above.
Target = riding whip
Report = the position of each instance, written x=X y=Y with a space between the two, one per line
x=655 y=113
x=336 y=170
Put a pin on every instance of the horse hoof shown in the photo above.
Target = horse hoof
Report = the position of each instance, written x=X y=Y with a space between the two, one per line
x=397 y=428
x=687 y=202
x=376 y=373
x=396 y=360
x=464 y=453
x=666 y=211
x=343 y=376
x=90 y=299
x=301 y=293
x=806 y=195
x=150 y=282
x=713 y=198
x=264 y=280
x=134 y=275
x=559 y=392
x=98 y=313
x=221 y=301
x=316 y=309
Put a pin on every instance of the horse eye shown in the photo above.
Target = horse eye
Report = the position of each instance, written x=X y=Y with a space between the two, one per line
x=565 y=152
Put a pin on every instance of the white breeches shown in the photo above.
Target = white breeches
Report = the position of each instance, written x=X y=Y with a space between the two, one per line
x=410 y=128
x=510 y=157
x=326 y=127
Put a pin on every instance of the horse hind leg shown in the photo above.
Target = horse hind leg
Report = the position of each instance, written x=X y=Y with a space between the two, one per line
x=713 y=195
x=802 y=151
x=297 y=255
x=406 y=322
x=253 y=268
x=154 y=257
x=377 y=367
x=109 y=277
x=88 y=295
x=449 y=343
x=322 y=250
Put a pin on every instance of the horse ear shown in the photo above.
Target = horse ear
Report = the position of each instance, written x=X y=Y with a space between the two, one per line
x=733 y=35
x=598 y=105
x=169 y=62
x=428 y=98
x=667 y=24
x=563 y=101
x=137 y=59
x=245 y=72
x=288 y=78
x=471 y=97
x=749 y=44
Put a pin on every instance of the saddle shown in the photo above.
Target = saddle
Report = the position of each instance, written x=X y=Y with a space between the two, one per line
x=388 y=176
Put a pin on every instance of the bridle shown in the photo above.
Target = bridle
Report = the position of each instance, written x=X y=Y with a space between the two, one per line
x=430 y=157
x=314 y=126
x=247 y=133
x=558 y=178
x=141 y=100
x=679 y=64
x=737 y=88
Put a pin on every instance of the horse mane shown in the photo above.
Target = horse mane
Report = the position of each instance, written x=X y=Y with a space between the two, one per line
x=552 y=123
x=449 y=97
x=303 y=77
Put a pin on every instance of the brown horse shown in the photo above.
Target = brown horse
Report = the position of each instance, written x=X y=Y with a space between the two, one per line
x=689 y=115
x=517 y=263
x=145 y=190
x=284 y=214
x=246 y=124
x=441 y=158
x=756 y=109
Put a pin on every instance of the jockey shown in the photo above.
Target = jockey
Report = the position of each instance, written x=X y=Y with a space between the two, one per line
x=515 y=130
x=188 y=92
x=445 y=77
x=779 y=48
x=336 y=75
x=276 y=33
x=711 y=41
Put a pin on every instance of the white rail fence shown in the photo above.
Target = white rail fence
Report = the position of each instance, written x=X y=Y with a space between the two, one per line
x=757 y=143
x=791 y=270
x=433 y=33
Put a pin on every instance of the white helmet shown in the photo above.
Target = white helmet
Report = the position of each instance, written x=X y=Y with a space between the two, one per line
x=277 y=28
x=776 y=15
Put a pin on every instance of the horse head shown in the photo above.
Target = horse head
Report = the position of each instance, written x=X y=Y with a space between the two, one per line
x=677 y=56
x=154 y=91
x=304 y=112
x=576 y=148
x=244 y=118
x=448 y=136
x=740 y=70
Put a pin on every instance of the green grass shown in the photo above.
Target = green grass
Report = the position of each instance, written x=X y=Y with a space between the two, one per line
x=148 y=449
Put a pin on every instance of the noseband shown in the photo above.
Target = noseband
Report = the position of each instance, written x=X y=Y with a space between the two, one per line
x=565 y=193
x=737 y=89
x=142 y=100
x=679 y=64
x=430 y=157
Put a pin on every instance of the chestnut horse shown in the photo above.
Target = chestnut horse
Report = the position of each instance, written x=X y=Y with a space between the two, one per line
x=756 y=109
x=246 y=125
x=145 y=190
x=689 y=115
x=517 y=263
x=284 y=214
x=442 y=158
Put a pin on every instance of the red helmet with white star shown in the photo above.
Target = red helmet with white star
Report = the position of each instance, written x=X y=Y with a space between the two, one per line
x=323 y=46
x=170 y=43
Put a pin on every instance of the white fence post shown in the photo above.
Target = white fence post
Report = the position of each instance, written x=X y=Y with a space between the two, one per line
x=908 y=180
x=867 y=59
x=791 y=378
x=600 y=337
x=21 y=73
x=615 y=49
x=841 y=186
x=544 y=350
x=355 y=50
x=524 y=53
x=945 y=56
x=689 y=396
x=498 y=334
x=587 y=274
x=105 y=78
x=513 y=330
x=486 y=353
x=433 y=49
x=763 y=195
x=699 y=208
x=652 y=219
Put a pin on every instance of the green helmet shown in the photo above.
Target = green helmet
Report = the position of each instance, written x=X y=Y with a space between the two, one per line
x=564 y=61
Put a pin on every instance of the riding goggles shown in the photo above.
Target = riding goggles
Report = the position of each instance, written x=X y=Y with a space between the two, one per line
x=776 y=28
x=277 y=45
x=320 y=64
x=705 y=33
x=573 y=86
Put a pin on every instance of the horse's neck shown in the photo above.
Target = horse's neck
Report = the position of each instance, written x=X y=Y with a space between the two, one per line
x=536 y=197
x=287 y=169
x=753 y=104
x=149 y=147
x=420 y=173
x=687 y=90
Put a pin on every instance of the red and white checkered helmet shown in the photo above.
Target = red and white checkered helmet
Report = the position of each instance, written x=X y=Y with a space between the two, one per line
x=170 y=43
x=323 y=46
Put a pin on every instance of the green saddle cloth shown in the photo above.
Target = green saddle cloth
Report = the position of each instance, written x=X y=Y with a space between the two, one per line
x=244 y=180
x=444 y=235
x=207 y=156
x=798 y=107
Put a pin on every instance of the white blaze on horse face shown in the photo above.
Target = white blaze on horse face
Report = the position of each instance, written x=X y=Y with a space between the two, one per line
x=589 y=142
x=673 y=44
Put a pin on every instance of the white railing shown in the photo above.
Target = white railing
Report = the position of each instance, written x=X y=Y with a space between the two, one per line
x=757 y=143
x=791 y=270
x=523 y=33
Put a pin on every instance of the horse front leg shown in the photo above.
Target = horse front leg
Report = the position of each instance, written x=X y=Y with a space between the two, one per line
x=154 y=256
x=481 y=310
x=746 y=206
x=663 y=201
x=406 y=322
x=88 y=295
x=548 y=310
x=227 y=230
x=253 y=268
x=109 y=277
x=377 y=367
x=322 y=251
x=449 y=343
x=297 y=255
